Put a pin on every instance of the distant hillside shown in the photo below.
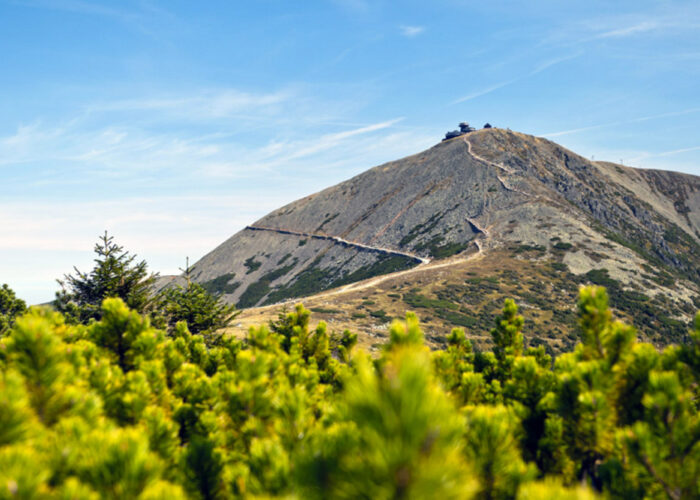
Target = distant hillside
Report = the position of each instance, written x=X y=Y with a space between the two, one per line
x=506 y=194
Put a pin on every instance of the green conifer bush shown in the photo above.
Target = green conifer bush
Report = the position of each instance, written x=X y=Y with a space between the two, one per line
x=10 y=307
x=117 y=408
x=203 y=312
x=115 y=274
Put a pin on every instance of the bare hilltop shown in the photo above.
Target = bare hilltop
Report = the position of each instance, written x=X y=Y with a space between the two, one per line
x=451 y=231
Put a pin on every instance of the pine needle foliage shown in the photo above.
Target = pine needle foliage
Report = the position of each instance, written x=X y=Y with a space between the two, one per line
x=10 y=307
x=203 y=312
x=118 y=408
x=116 y=273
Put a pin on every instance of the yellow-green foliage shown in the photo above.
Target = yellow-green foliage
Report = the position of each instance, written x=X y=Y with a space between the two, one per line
x=119 y=409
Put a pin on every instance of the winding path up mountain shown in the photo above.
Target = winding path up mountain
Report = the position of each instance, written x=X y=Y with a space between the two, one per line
x=377 y=280
x=508 y=170
x=342 y=241
x=480 y=158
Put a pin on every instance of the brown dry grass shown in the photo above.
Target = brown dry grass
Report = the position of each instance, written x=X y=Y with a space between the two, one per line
x=351 y=307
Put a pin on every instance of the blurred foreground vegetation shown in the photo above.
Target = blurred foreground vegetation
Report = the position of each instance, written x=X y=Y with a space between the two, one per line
x=117 y=408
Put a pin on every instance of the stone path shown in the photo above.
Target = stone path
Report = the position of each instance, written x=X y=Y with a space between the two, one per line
x=342 y=241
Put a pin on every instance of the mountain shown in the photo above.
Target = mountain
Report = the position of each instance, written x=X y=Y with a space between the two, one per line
x=481 y=216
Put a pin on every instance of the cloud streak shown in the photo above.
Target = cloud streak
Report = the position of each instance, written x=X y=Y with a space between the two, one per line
x=663 y=154
x=621 y=122
x=329 y=141
x=635 y=29
x=221 y=103
x=485 y=91
x=544 y=65
x=411 y=31
x=131 y=154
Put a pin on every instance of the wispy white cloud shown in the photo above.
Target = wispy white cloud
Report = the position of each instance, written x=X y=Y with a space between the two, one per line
x=121 y=149
x=548 y=63
x=542 y=66
x=485 y=91
x=625 y=31
x=621 y=122
x=208 y=104
x=580 y=129
x=646 y=155
x=126 y=135
x=411 y=31
x=328 y=141
x=129 y=153
x=677 y=151
x=663 y=21
x=350 y=151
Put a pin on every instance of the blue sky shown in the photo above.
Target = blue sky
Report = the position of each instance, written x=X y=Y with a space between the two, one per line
x=173 y=124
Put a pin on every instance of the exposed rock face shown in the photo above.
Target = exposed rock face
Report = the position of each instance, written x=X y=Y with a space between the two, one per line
x=489 y=189
x=620 y=199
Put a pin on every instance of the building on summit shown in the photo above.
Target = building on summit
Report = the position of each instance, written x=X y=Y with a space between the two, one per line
x=464 y=128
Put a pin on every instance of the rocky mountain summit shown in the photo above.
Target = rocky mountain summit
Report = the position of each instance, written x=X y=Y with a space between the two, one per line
x=486 y=193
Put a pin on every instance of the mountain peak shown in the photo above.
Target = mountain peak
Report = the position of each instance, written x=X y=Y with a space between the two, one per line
x=489 y=190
